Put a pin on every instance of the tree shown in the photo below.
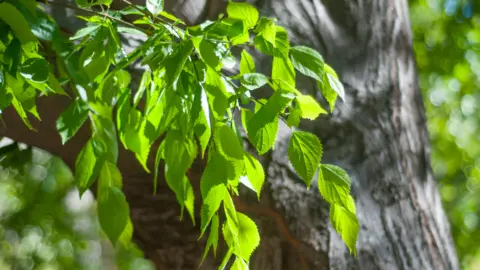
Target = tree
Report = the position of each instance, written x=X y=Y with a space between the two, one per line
x=377 y=134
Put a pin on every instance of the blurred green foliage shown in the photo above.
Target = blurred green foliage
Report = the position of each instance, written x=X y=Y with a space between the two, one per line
x=45 y=225
x=447 y=48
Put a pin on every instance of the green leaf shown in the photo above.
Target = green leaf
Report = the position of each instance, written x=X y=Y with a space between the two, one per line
x=267 y=30
x=305 y=153
x=17 y=23
x=201 y=115
x=171 y=17
x=155 y=6
x=227 y=143
x=253 y=81
x=104 y=130
x=263 y=126
x=308 y=61
x=213 y=187
x=329 y=94
x=247 y=239
x=144 y=83
x=179 y=154
x=72 y=119
x=280 y=48
x=243 y=11
x=174 y=63
x=35 y=69
x=17 y=105
x=226 y=259
x=255 y=176
x=216 y=94
x=113 y=212
x=85 y=31
x=212 y=238
x=230 y=215
x=345 y=222
x=239 y=264
x=283 y=72
x=333 y=83
x=88 y=164
x=309 y=107
x=94 y=60
x=109 y=176
x=130 y=30
x=334 y=185
x=208 y=52
x=126 y=237
x=294 y=117
x=247 y=64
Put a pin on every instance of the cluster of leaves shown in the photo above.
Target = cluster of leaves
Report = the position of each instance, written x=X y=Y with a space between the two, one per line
x=185 y=100
x=446 y=42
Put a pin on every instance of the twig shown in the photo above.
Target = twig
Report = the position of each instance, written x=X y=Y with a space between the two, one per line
x=103 y=14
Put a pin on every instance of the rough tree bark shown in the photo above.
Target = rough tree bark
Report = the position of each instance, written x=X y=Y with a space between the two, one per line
x=378 y=134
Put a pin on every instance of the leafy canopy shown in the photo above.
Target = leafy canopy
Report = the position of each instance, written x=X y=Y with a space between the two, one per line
x=185 y=100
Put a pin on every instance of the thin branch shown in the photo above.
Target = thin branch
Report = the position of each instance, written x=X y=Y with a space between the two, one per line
x=103 y=14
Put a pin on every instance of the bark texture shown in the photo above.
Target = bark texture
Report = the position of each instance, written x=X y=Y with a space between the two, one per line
x=378 y=134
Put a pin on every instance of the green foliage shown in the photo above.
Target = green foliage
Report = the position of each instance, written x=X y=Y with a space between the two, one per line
x=184 y=101
x=305 y=153
x=446 y=38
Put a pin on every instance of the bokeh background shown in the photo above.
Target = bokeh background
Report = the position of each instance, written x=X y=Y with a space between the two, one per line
x=447 y=48
x=45 y=225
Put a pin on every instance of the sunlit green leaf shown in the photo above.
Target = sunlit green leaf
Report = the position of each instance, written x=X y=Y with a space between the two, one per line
x=345 y=222
x=227 y=143
x=305 y=153
x=333 y=83
x=334 y=185
x=247 y=64
x=212 y=237
x=253 y=81
x=248 y=237
x=179 y=154
x=17 y=23
x=155 y=6
x=262 y=127
x=216 y=93
x=267 y=30
x=309 y=107
x=85 y=32
x=212 y=187
x=72 y=119
x=88 y=164
x=255 y=176
x=243 y=11
x=308 y=61
x=113 y=212
x=239 y=264
x=35 y=69
x=283 y=72
x=176 y=61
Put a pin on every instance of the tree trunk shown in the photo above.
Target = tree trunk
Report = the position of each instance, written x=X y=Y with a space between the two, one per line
x=378 y=134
